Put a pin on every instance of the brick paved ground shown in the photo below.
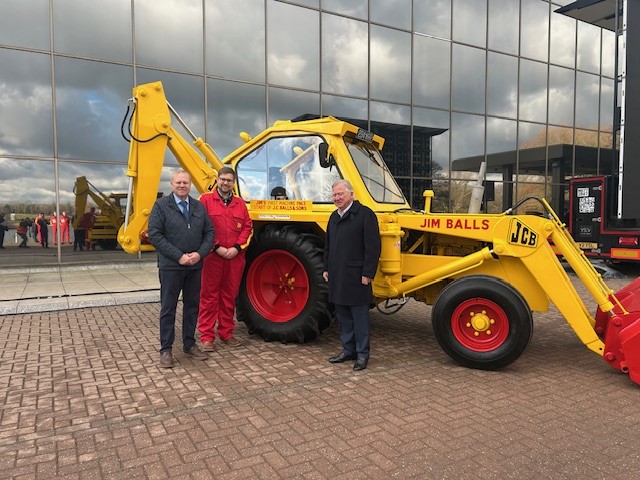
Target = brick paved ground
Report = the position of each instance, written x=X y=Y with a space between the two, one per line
x=82 y=397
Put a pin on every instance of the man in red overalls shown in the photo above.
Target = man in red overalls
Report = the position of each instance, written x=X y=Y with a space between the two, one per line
x=53 y=221
x=64 y=228
x=223 y=268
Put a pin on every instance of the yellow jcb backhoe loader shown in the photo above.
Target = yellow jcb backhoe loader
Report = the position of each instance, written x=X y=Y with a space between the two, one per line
x=484 y=274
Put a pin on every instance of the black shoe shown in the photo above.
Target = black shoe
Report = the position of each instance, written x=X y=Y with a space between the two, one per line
x=196 y=353
x=360 y=364
x=342 y=357
x=166 y=359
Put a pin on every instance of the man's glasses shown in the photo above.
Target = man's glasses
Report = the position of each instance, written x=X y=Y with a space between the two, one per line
x=225 y=180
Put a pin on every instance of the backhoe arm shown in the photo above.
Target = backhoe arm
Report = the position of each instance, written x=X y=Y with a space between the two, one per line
x=81 y=191
x=151 y=133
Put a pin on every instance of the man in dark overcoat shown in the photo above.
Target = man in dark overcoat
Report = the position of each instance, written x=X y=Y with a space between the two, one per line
x=352 y=250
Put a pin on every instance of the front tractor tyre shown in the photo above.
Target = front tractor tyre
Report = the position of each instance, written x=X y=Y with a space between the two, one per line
x=482 y=322
x=283 y=296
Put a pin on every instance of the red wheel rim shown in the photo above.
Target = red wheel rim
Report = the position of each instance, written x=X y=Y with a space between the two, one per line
x=277 y=286
x=480 y=325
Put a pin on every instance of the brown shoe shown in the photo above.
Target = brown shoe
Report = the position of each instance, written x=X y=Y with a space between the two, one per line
x=195 y=353
x=207 y=347
x=166 y=359
x=231 y=342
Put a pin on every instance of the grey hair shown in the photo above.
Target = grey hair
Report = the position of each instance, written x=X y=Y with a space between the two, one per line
x=346 y=183
x=178 y=172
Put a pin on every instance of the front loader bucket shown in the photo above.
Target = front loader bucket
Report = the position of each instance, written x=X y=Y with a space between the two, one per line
x=620 y=331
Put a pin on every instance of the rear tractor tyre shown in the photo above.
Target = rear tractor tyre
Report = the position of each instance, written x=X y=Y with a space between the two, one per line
x=482 y=322
x=283 y=296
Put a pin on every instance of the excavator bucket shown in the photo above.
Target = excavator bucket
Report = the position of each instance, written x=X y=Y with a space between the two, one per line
x=619 y=329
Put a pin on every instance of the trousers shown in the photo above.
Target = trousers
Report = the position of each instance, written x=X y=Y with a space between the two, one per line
x=354 y=329
x=172 y=282
x=221 y=282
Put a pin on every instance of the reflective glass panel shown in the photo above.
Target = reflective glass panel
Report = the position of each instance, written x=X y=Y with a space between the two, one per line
x=561 y=95
x=26 y=116
x=431 y=74
x=289 y=104
x=528 y=189
x=531 y=135
x=91 y=100
x=344 y=56
x=432 y=17
x=587 y=96
x=468 y=73
x=169 y=35
x=467 y=135
x=608 y=53
x=563 y=40
x=502 y=85
x=588 y=57
x=352 y=8
x=25 y=23
x=440 y=153
x=235 y=34
x=534 y=33
x=233 y=108
x=587 y=138
x=606 y=104
x=501 y=135
x=425 y=117
x=307 y=3
x=460 y=193
x=441 y=189
x=18 y=177
x=390 y=113
x=605 y=141
x=390 y=65
x=343 y=107
x=25 y=202
x=293 y=46
x=396 y=13
x=470 y=22
x=438 y=142
x=503 y=25
x=533 y=91
x=103 y=32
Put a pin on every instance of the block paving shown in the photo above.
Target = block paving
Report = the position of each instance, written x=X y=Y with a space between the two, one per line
x=82 y=397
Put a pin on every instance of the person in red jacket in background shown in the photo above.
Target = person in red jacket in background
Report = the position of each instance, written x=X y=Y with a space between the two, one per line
x=53 y=221
x=224 y=267
x=64 y=228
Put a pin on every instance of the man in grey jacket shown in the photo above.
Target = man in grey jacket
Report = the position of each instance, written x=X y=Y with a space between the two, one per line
x=182 y=232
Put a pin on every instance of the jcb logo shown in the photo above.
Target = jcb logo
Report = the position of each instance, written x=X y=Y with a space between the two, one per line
x=520 y=234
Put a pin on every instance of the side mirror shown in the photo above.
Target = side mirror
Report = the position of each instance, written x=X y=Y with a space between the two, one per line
x=325 y=160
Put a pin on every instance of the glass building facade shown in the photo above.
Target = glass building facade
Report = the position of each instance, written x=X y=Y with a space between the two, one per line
x=442 y=80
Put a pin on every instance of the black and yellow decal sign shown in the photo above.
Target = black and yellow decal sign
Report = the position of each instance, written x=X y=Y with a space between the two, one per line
x=520 y=234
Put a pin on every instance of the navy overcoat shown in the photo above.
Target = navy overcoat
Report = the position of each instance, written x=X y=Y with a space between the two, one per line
x=352 y=250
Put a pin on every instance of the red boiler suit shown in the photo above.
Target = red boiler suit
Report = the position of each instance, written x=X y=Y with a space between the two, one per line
x=221 y=277
x=64 y=229
x=54 y=228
